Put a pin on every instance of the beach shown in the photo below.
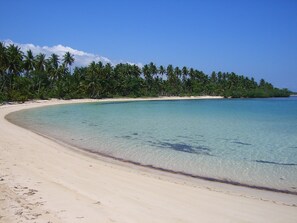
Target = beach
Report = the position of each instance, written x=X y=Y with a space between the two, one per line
x=43 y=180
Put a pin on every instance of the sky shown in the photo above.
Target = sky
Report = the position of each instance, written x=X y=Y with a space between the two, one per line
x=252 y=38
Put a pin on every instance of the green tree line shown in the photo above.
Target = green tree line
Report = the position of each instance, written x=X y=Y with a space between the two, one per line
x=24 y=76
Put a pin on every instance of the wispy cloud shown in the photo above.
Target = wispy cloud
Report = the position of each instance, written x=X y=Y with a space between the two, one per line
x=81 y=58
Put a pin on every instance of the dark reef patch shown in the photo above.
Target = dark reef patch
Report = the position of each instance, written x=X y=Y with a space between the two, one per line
x=242 y=143
x=91 y=124
x=275 y=163
x=225 y=139
x=198 y=140
x=181 y=147
x=184 y=137
x=126 y=137
x=178 y=147
x=199 y=135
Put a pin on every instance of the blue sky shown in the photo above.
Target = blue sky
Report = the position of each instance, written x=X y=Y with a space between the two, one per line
x=253 y=38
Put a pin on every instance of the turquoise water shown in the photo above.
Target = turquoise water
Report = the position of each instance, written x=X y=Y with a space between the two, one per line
x=249 y=141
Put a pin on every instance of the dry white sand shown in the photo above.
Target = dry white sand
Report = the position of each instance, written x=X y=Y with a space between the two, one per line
x=45 y=181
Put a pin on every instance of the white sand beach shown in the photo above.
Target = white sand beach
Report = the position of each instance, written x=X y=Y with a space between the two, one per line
x=42 y=180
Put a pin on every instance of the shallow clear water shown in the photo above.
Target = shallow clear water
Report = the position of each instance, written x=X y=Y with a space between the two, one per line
x=250 y=141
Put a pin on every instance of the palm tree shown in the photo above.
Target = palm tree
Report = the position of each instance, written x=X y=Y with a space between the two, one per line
x=3 y=65
x=177 y=72
x=213 y=77
x=54 y=61
x=146 y=72
x=148 y=78
x=53 y=68
x=40 y=77
x=29 y=62
x=162 y=70
x=109 y=73
x=153 y=69
x=185 y=73
x=68 y=60
x=92 y=80
x=40 y=62
x=15 y=59
x=15 y=62
x=3 y=58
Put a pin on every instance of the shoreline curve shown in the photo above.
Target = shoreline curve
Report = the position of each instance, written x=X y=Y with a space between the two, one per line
x=77 y=188
x=206 y=178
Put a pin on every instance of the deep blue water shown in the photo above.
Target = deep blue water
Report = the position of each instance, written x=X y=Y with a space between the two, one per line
x=250 y=141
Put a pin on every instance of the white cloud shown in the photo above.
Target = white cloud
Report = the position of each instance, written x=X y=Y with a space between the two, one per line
x=81 y=58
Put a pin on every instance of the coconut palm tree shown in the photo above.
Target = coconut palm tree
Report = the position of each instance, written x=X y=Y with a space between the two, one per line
x=40 y=74
x=177 y=72
x=54 y=61
x=92 y=80
x=15 y=62
x=52 y=68
x=162 y=70
x=185 y=73
x=153 y=69
x=68 y=60
x=3 y=65
x=3 y=58
x=146 y=72
x=40 y=62
x=29 y=62
x=110 y=76
x=15 y=59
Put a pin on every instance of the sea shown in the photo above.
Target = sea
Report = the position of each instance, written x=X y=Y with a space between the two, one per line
x=249 y=142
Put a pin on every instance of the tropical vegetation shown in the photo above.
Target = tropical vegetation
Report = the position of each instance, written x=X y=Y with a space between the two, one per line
x=24 y=76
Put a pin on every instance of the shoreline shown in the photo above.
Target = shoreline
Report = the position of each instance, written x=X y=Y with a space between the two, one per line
x=181 y=173
x=157 y=170
x=135 y=163
x=268 y=201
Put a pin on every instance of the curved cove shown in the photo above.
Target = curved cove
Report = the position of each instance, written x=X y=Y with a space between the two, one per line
x=250 y=142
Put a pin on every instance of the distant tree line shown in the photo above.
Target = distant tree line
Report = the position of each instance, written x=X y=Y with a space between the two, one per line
x=25 y=76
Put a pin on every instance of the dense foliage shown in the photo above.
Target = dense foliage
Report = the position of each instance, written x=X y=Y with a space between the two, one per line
x=24 y=76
